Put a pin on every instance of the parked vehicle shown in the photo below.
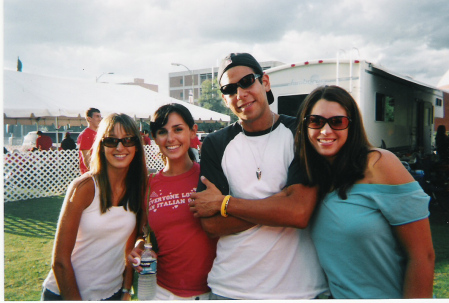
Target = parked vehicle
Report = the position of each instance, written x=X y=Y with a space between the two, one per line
x=398 y=112
x=29 y=141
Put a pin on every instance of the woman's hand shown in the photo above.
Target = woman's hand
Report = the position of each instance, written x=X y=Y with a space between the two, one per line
x=136 y=254
x=134 y=258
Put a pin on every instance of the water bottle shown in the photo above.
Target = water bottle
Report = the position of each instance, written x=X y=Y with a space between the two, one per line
x=146 y=284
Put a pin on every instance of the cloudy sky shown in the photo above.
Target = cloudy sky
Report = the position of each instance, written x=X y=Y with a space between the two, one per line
x=141 y=38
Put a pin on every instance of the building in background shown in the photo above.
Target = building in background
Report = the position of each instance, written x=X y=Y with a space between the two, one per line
x=141 y=82
x=180 y=83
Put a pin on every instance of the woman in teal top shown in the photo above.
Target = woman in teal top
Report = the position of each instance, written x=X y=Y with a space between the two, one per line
x=370 y=227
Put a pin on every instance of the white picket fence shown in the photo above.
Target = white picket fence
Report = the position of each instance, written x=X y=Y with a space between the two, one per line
x=28 y=175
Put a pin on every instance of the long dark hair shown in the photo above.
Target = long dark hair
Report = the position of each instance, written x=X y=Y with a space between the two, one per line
x=351 y=160
x=135 y=180
x=160 y=118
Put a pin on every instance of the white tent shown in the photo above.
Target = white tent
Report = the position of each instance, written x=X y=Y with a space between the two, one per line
x=30 y=99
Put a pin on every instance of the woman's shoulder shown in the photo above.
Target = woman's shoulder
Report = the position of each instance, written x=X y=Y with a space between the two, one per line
x=376 y=154
x=154 y=175
x=82 y=188
x=84 y=179
x=160 y=177
x=384 y=167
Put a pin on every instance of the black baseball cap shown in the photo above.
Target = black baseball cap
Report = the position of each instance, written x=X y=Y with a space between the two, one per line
x=242 y=59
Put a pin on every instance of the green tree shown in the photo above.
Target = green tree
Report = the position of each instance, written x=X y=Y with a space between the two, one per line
x=211 y=99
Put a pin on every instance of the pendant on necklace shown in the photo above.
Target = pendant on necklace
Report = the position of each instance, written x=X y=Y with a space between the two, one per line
x=258 y=174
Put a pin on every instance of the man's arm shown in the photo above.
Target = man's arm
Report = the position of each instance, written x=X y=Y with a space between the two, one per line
x=292 y=207
x=217 y=226
x=211 y=155
x=38 y=144
x=86 y=157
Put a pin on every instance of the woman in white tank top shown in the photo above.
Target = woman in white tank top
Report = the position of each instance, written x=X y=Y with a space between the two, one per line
x=98 y=220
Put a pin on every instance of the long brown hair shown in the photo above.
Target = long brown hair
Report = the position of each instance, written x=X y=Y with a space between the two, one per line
x=135 y=180
x=351 y=161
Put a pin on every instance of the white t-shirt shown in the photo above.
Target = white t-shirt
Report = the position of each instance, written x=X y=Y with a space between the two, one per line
x=262 y=262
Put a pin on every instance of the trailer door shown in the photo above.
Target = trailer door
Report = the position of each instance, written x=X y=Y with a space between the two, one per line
x=424 y=127
x=289 y=105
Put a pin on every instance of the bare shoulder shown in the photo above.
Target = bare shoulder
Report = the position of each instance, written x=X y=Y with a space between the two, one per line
x=81 y=190
x=85 y=180
x=379 y=156
x=385 y=168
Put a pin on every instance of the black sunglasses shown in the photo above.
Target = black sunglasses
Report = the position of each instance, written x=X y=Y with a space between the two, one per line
x=245 y=82
x=336 y=122
x=113 y=142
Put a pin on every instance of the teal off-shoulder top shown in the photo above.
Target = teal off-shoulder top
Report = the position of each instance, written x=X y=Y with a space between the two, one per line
x=355 y=241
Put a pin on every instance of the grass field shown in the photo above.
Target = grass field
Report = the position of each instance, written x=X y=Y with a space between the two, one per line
x=29 y=229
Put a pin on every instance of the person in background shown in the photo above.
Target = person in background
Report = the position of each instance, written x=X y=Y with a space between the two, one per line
x=195 y=145
x=185 y=253
x=442 y=143
x=146 y=137
x=87 y=137
x=68 y=143
x=250 y=159
x=98 y=222
x=43 y=142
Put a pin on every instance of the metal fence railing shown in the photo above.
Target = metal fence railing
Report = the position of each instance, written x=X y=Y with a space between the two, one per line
x=28 y=175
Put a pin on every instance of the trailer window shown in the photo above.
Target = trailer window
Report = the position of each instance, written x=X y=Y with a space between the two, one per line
x=289 y=105
x=384 y=108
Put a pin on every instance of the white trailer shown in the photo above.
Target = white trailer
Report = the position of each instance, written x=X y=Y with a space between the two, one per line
x=398 y=112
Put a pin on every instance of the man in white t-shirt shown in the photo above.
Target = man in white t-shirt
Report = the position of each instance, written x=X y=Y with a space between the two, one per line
x=251 y=159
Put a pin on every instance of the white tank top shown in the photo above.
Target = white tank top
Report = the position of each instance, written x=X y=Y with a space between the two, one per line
x=98 y=257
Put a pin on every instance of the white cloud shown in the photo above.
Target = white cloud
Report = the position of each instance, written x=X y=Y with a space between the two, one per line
x=141 y=38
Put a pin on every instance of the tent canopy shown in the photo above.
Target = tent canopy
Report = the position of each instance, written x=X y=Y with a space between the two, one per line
x=30 y=99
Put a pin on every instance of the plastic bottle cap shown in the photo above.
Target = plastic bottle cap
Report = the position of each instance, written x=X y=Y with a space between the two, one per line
x=136 y=262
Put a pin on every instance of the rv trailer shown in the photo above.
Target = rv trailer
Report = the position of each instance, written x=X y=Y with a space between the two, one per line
x=398 y=112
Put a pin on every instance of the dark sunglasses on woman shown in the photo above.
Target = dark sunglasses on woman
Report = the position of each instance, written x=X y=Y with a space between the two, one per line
x=245 y=82
x=113 y=142
x=335 y=122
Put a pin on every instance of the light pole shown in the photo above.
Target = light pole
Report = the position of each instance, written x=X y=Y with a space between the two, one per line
x=96 y=79
x=191 y=73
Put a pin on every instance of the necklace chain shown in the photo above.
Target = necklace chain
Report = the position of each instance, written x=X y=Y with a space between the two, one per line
x=258 y=171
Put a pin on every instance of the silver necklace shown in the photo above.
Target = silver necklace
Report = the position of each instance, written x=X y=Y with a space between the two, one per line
x=258 y=171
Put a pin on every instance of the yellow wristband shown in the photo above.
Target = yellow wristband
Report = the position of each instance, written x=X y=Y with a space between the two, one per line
x=224 y=206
